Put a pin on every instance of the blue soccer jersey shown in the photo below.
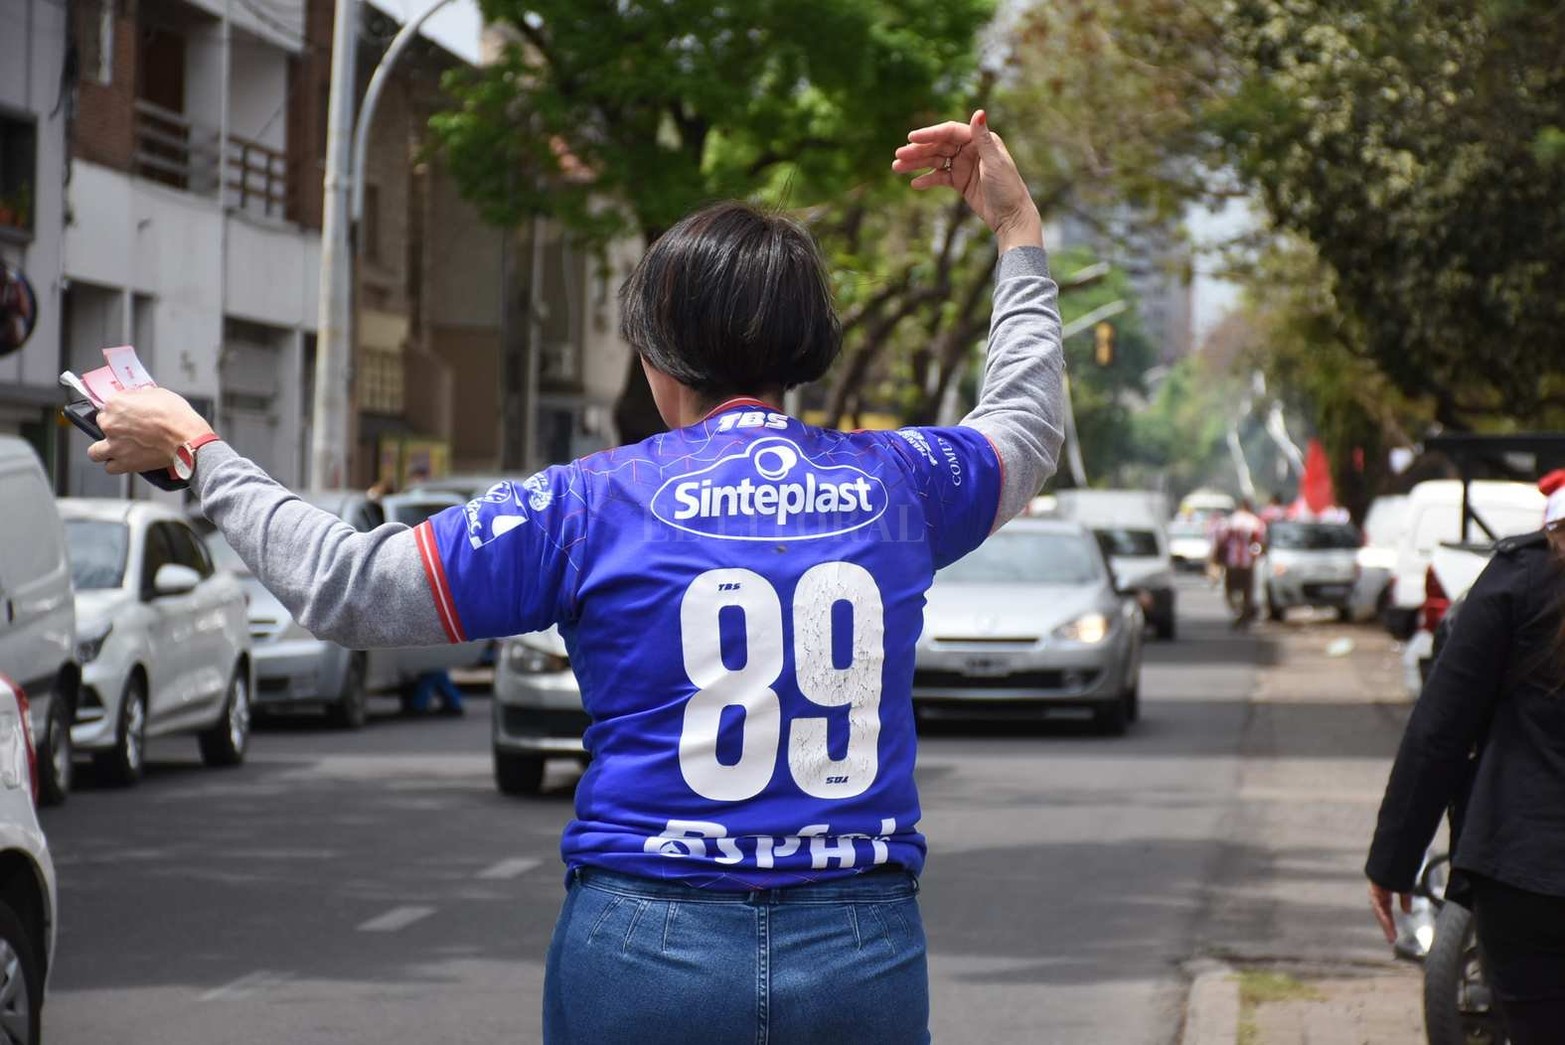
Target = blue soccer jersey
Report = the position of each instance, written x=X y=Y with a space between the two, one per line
x=740 y=600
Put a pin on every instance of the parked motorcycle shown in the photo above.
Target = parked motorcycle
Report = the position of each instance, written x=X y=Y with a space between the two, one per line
x=1458 y=1004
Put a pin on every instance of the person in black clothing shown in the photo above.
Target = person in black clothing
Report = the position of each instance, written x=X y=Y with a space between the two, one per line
x=1488 y=733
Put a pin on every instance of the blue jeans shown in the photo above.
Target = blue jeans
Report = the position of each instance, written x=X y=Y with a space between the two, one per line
x=434 y=684
x=652 y=962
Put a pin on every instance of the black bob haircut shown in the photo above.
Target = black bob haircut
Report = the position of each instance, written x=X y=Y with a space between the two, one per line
x=733 y=300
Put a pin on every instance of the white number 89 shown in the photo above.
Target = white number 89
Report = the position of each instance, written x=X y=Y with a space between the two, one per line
x=750 y=687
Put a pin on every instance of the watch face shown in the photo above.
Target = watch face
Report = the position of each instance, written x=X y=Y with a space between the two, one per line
x=183 y=465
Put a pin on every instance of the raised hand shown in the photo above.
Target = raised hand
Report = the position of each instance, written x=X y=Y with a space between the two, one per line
x=972 y=159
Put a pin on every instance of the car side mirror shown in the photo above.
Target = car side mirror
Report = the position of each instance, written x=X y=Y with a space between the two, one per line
x=174 y=579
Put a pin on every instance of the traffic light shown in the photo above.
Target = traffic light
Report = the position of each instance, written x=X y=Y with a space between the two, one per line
x=1103 y=335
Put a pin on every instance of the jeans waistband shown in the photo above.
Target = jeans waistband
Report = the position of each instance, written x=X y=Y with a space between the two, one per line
x=883 y=885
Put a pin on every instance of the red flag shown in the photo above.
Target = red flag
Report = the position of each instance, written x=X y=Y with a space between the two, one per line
x=1315 y=486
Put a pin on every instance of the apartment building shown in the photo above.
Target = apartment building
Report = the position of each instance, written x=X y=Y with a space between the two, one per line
x=174 y=191
x=33 y=120
x=188 y=231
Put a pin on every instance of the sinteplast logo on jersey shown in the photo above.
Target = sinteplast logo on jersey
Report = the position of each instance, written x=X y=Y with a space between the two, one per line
x=771 y=490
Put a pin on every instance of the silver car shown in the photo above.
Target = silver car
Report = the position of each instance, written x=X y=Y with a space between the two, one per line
x=294 y=669
x=1310 y=564
x=1029 y=622
x=538 y=712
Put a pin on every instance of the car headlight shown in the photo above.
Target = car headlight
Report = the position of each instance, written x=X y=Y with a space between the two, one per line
x=1279 y=570
x=1089 y=628
x=525 y=659
x=88 y=647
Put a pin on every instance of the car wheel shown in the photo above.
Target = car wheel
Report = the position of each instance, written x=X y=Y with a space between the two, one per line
x=123 y=765
x=1274 y=612
x=1133 y=702
x=224 y=744
x=516 y=774
x=1112 y=717
x=1164 y=627
x=1345 y=614
x=351 y=709
x=55 y=752
x=21 y=982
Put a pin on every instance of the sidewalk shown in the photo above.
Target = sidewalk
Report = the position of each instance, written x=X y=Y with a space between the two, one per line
x=1288 y=911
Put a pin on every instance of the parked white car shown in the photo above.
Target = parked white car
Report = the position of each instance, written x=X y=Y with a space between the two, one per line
x=1384 y=524
x=538 y=714
x=1434 y=517
x=296 y=670
x=37 y=614
x=1310 y=564
x=27 y=889
x=161 y=635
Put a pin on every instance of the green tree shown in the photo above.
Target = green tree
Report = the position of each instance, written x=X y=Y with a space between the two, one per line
x=619 y=116
x=1098 y=100
x=1417 y=147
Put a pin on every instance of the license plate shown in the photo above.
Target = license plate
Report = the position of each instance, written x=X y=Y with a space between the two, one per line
x=1332 y=591
x=985 y=667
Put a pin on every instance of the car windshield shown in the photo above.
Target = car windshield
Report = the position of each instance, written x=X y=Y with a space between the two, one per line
x=1119 y=543
x=411 y=514
x=223 y=555
x=1312 y=537
x=97 y=552
x=1028 y=557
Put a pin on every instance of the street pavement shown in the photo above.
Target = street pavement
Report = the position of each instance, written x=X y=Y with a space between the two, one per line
x=373 y=887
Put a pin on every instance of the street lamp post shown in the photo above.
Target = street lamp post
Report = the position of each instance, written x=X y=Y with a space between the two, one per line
x=333 y=351
x=344 y=208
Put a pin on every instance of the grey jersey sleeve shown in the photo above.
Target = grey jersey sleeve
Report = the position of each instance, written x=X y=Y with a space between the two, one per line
x=360 y=590
x=1022 y=406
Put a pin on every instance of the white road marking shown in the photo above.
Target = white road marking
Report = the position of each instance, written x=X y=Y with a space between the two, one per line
x=509 y=868
x=247 y=984
x=395 y=919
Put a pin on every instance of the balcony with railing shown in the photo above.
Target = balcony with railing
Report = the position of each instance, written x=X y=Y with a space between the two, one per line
x=173 y=151
x=259 y=179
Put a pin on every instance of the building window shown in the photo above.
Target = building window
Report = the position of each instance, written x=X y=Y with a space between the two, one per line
x=369 y=225
x=380 y=382
x=18 y=173
x=95 y=41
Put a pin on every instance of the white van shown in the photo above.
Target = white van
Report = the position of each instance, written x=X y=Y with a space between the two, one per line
x=37 y=612
x=1434 y=517
x=1130 y=528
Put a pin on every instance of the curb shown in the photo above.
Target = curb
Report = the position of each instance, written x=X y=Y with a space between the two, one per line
x=1212 y=1005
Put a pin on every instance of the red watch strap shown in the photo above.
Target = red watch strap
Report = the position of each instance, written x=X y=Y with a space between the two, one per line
x=200 y=441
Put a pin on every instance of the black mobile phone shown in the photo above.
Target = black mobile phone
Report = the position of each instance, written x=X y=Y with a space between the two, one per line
x=84 y=416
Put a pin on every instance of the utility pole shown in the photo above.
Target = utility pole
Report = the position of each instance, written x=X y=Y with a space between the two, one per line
x=333 y=345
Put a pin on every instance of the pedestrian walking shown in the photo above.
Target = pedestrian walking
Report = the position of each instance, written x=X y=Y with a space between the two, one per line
x=740 y=597
x=1488 y=735
x=1239 y=543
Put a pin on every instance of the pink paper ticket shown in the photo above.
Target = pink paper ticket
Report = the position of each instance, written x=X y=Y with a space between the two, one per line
x=127 y=367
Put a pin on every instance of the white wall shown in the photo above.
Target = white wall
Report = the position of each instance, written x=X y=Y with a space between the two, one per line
x=258 y=92
x=31 y=50
x=283 y=25
x=204 y=76
x=273 y=273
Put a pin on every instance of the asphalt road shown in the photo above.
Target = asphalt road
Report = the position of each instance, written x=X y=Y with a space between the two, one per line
x=373 y=887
